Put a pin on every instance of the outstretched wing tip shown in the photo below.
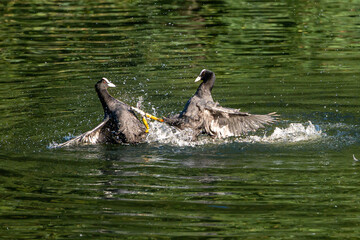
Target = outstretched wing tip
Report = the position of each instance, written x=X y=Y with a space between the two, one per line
x=90 y=137
x=274 y=117
x=225 y=122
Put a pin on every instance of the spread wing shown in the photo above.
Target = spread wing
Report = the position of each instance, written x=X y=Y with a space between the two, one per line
x=225 y=122
x=100 y=134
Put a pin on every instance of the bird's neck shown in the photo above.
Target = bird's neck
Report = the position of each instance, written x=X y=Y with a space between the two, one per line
x=106 y=99
x=205 y=88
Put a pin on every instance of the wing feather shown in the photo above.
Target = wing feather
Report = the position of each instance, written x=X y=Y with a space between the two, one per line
x=100 y=134
x=225 y=122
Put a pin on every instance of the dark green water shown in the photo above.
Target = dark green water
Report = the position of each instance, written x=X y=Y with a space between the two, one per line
x=295 y=180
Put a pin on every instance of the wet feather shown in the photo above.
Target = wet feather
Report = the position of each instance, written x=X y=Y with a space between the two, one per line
x=203 y=115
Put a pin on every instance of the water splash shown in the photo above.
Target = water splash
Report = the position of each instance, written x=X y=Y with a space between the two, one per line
x=54 y=144
x=295 y=132
x=165 y=134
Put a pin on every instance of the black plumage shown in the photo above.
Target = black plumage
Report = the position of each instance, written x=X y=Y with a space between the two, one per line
x=203 y=115
x=120 y=124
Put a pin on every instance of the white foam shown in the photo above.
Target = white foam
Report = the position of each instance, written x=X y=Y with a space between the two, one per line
x=165 y=134
x=295 y=132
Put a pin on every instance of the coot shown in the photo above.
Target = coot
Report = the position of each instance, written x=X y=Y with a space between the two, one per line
x=203 y=115
x=120 y=124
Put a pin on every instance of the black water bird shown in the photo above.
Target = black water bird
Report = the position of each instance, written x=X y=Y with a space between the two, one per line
x=203 y=115
x=120 y=124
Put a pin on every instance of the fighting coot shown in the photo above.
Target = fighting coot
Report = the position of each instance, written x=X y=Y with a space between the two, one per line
x=120 y=124
x=203 y=115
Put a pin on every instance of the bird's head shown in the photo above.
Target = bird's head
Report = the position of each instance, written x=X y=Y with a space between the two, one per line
x=104 y=83
x=205 y=75
x=107 y=83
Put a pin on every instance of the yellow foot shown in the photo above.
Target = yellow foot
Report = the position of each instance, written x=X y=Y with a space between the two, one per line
x=146 y=124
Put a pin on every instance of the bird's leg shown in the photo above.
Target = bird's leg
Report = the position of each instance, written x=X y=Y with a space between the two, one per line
x=146 y=124
x=144 y=114
x=154 y=118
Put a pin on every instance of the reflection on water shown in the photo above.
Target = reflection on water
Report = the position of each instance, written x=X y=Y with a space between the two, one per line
x=296 y=179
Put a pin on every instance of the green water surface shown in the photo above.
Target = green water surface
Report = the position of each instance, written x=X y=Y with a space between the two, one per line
x=298 y=58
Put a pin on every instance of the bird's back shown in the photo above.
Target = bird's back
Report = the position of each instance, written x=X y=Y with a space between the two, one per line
x=129 y=127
